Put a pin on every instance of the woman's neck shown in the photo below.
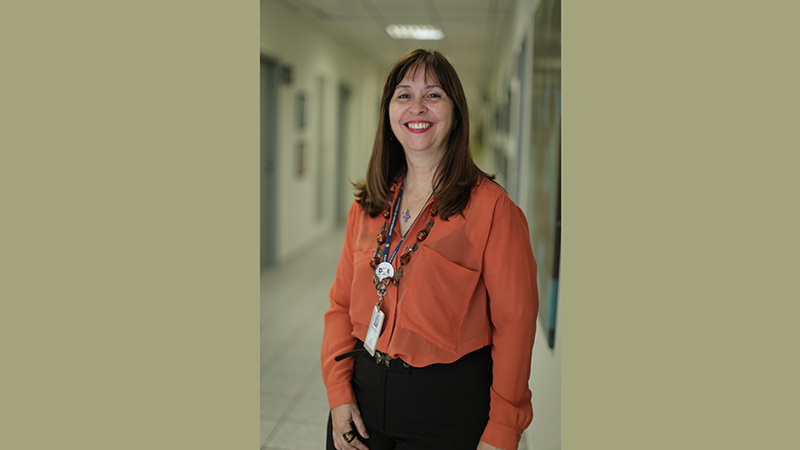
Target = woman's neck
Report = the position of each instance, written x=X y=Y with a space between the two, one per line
x=420 y=173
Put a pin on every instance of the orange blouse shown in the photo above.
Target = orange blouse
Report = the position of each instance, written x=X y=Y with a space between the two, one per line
x=471 y=283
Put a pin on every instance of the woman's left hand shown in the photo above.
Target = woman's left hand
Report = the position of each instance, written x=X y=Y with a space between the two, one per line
x=484 y=446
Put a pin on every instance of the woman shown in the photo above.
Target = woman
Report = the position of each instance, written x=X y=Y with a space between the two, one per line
x=429 y=334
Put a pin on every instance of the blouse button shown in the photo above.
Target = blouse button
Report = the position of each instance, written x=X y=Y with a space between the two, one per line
x=405 y=364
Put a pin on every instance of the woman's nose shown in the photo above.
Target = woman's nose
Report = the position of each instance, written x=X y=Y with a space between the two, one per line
x=419 y=106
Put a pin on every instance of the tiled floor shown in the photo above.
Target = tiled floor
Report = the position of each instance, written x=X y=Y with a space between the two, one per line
x=294 y=296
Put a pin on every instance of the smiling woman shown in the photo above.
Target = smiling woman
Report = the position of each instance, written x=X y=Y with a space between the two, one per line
x=428 y=337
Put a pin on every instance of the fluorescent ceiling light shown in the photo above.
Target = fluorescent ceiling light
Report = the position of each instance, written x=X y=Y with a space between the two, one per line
x=419 y=32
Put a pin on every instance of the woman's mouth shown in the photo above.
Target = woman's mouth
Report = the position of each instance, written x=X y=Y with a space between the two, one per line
x=418 y=127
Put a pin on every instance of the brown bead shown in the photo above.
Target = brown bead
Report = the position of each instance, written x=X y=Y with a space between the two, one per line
x=381 y=238
x=405 y=258
x=374 y=262
x=386 y=213
x=422 y=235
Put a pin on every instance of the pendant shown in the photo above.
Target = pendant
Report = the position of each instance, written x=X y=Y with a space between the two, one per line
x=384 y=270
x=406 y=216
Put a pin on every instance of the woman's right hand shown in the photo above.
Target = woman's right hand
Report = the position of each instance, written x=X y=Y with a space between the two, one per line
x=344 y=418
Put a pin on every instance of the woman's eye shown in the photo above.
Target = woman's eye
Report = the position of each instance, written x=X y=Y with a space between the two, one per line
x=434 y=95
x=402 y=96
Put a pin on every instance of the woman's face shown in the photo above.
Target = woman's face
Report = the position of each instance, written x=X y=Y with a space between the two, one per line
x=421 y=114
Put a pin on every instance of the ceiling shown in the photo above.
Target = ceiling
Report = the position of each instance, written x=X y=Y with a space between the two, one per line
x=474 y=30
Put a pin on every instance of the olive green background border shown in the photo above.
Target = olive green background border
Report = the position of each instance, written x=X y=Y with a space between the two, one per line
x=679 y=225
x=129 y=175
x=130 y=288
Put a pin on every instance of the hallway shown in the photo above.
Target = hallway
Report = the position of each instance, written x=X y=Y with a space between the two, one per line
x=294 y=297
x=323 y=69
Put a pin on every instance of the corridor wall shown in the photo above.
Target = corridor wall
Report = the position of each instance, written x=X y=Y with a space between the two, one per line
x=507 y=119
x=309 y=180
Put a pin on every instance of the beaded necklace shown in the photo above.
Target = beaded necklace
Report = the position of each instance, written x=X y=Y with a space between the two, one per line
x=377 y=255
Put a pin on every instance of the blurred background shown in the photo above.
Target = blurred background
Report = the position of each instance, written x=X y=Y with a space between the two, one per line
x=323 y=65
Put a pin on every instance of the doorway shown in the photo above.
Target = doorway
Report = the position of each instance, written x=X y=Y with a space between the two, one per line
x=268 y=172
x=344 y=189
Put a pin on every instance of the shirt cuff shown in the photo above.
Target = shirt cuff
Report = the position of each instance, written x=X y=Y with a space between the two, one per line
x=340 y=394
x=501 y=436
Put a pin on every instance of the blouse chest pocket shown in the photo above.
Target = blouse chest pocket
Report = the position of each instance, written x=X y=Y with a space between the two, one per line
x=438 y=296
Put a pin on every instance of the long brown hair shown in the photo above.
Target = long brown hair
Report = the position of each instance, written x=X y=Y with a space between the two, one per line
x=457 y=172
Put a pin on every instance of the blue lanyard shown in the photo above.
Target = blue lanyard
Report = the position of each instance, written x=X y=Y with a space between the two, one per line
x=388 y=244
x=396 y=209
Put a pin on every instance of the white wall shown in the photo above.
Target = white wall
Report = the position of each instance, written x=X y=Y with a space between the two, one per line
x=545 y=382
x=294 y=40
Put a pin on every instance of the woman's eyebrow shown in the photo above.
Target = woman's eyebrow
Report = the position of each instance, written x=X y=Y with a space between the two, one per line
x=406 y=86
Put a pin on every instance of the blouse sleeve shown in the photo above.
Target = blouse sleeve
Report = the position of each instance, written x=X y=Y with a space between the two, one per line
x=338 y=337
x=509 y=273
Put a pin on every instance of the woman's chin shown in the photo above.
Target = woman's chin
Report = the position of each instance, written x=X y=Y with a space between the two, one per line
x=422 y=149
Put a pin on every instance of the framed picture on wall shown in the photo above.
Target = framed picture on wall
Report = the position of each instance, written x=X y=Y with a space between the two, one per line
x=300 y=107
x=300 y=159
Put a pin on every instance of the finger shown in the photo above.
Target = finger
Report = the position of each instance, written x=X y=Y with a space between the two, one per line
x=358 y=444
x=342 y=444
x=354 y=444
x=360 y=426
x=336 y=441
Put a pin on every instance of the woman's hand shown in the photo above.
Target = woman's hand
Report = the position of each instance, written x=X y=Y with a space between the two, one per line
x=345 y=418
x=484 y=446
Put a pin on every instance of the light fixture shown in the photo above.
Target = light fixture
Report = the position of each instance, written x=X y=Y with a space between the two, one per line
x=419 y=32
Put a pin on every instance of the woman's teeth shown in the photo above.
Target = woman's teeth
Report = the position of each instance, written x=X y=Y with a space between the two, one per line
x=419 y=126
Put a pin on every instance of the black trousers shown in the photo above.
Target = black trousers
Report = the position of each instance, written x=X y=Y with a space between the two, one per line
x=442 y=406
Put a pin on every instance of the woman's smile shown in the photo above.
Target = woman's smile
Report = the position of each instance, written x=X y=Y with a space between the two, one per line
x=418 y=126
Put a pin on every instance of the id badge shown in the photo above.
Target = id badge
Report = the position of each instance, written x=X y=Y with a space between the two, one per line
x=375 y=325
